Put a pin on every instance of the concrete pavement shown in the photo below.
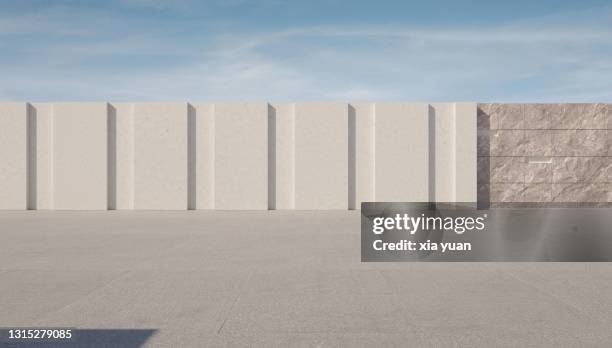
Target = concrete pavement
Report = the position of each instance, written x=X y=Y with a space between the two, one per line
x=278 y=278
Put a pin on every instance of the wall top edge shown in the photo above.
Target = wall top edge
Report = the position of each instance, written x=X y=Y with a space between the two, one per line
x=298 y=101
x=241 y=101
x=545 y=103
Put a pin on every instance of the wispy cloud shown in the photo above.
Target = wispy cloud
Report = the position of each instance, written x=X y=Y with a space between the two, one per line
x=535 y=59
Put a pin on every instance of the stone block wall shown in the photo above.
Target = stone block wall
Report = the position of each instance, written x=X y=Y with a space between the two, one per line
x=544 y=153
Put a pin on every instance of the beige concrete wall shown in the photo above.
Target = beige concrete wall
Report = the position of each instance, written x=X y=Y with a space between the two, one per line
x=455 y=150
x=234 y=156
x=241 y=156
x=160 y=156
x=283 y=115
x=465 y=147
x=13 y=156
x=80 y=156
x=43 y=114
x=364 y=114
x=321 y=156
x=124 y=155
x=402 y=152
x=204 y=155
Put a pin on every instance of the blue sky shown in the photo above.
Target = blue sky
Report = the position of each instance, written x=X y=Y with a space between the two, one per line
x=122 y=50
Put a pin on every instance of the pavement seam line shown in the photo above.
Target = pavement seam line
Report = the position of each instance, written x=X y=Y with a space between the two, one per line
x=229 y=312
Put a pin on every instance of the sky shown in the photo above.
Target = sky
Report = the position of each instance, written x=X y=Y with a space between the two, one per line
x=273 y=50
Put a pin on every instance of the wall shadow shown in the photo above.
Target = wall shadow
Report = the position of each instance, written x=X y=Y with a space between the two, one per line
x=431 y=184
x=111 y=163
x=125 y=338
x=31 y=162
x=271 y=157
x=483 y=151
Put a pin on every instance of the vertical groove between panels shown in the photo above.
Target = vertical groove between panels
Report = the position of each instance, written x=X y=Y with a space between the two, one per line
x=111 y=157
x=431 y=179
x=271 y=157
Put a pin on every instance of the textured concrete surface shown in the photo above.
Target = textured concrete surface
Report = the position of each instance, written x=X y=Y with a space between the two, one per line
x=365 y=150
x=204 y=155
x=321 y=155
x=403 y=152
x=123 y=114
x=43 y=128
x=13 y=151
x=241 y=156
x=284 y=154
x=80 y=150
x=465 y=150
x=235 y=155
x=278 y=279
x=160 y=156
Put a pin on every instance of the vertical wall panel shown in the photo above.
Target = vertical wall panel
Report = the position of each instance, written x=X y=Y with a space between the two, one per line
x=465 y=152
x=402 y=134
x=284 y=161
x=205 y=155
x=241 y=156
x=364 y=154
x=234 y=155
x=160 y=156
x=80 y=156
x=191 y=157
x=13 y=155
x=43 y=114
x=124 y=164
x=321 y=156
x=444 y=156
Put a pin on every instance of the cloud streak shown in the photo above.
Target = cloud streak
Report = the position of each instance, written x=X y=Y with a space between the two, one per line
x=537 y=59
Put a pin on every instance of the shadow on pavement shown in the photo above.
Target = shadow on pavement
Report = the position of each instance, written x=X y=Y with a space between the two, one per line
x=124 y=338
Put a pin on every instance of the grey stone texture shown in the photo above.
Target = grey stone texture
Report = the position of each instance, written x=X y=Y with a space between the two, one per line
x=545 y=153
